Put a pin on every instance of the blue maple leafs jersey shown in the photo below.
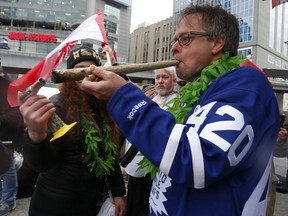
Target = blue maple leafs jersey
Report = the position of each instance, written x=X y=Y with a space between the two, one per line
x=218 y=161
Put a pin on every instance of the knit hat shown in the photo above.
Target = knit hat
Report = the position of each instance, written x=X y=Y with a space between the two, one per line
x=83 y=53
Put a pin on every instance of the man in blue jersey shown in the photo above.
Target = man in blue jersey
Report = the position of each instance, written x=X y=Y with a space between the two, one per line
x=213 y=149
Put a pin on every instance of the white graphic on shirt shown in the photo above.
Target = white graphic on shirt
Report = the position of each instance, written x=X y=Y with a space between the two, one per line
x=135 y=109
x=157 y=198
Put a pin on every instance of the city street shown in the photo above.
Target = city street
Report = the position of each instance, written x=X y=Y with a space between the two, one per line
x=281 y=207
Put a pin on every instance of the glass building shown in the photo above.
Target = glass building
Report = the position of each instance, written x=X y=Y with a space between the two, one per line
x=263 y=37
x=29 y=30
x=263 y=29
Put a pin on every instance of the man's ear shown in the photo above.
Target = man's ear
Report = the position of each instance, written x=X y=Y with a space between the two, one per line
x=218 y=45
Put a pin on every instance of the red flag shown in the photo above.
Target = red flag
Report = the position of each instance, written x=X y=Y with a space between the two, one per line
x=115 y=56
x=278 y=2
x=100 y=22
x=92 y=28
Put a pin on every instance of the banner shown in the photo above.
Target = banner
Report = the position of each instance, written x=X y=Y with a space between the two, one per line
x=91 y=28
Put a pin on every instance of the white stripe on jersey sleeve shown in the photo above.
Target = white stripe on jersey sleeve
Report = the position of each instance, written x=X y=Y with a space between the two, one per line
x=171 y=148
x=197 y=158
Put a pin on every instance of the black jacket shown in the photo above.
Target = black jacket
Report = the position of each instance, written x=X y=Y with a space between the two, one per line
x=11 y=121
x=66 y=186
x=5 y=158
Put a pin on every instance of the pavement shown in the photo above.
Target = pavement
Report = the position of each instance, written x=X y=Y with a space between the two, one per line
x=281 y=206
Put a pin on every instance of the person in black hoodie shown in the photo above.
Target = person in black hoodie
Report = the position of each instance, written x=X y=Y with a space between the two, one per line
x=5 y=158
x=73 y=168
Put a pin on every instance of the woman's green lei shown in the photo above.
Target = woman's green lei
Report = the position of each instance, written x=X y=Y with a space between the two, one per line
x=100 y=164
x=190 y=94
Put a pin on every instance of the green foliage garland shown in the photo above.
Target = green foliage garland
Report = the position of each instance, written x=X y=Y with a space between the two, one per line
x=190 y=94
x=100 y=164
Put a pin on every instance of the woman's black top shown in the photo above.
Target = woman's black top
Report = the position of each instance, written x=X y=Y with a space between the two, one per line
x=66 y=186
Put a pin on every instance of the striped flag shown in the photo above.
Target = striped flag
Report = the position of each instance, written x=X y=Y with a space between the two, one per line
x=91 y=28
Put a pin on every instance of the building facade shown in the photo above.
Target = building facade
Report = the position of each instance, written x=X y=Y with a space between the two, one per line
x=263 y=29
x=151 y=43
x=263 y=36
x=29 y=30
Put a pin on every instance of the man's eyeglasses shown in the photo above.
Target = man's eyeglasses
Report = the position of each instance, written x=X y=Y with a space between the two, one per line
x=186 y=38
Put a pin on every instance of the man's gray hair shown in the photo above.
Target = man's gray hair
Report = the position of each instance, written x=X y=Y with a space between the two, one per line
x=171 y=70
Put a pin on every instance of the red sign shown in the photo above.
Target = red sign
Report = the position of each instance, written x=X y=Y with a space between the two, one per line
x=22 y=36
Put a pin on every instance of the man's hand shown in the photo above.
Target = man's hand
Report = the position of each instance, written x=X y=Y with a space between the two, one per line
x=120 y=206
x=107 y=50
x=282 y=135
x=102 y=84
x=36 y=111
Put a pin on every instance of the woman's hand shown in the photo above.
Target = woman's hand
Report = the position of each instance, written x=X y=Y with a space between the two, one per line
x=36 y=111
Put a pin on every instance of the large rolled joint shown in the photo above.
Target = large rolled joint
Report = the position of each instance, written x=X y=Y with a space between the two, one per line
x=75 y=74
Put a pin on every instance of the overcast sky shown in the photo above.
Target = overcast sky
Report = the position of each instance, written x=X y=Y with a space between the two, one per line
x=150 y=11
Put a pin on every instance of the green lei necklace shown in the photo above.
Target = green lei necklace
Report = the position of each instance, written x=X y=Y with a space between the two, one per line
x=190 y=94
x=100 y=165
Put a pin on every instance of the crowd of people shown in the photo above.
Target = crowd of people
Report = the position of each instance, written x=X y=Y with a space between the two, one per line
x=206 y=149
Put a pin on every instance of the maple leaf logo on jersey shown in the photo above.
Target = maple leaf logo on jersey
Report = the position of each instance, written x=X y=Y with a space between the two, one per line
x=157 y=197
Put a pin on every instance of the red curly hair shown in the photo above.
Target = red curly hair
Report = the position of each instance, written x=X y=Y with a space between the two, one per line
x=78 y=101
